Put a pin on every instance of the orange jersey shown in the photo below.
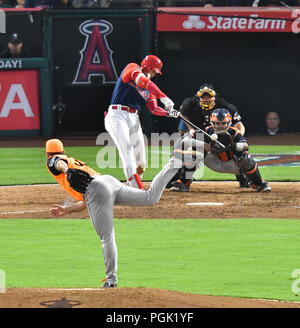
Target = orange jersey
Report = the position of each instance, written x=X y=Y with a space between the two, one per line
x=61 y=177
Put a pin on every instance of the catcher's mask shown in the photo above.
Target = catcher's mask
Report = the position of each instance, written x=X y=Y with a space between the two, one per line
x=220 y=119
x=206 y=96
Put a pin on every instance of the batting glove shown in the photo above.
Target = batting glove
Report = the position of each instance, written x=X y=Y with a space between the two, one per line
x=173 y=113
x=168 y=103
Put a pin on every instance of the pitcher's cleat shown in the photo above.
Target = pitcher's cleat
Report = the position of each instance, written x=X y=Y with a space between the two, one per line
x=108 y=285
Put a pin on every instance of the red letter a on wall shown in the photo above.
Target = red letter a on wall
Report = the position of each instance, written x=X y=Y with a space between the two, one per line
x=96 y=56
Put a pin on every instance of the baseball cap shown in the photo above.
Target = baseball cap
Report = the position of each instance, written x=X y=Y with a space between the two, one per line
x=54 y=146
x=15 y=38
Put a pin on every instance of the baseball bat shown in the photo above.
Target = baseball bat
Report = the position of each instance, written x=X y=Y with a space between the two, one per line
x=197 y=129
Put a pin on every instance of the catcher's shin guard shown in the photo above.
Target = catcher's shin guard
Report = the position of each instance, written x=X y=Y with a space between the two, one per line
x=248 y=166
x=255 y=177
x=175 y=178
x=243 y=180
x=136 y=182
x=187 y=174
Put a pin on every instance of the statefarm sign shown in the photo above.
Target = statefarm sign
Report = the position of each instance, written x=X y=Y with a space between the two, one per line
x=227 y=20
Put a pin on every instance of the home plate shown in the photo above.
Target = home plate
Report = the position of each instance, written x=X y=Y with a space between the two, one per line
x=205 y=204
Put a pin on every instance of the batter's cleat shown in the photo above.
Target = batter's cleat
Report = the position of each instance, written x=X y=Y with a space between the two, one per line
x=264 y=187
x=179 y=186
x=108 y=285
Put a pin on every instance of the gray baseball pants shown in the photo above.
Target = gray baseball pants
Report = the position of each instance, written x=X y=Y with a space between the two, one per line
x=105 y=191
x=214 y=163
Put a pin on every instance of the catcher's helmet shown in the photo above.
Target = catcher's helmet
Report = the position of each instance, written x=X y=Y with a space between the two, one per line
x=220 y=119
x=151 y=62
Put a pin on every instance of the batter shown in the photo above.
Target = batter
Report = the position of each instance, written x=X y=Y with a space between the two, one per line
x=133 y=90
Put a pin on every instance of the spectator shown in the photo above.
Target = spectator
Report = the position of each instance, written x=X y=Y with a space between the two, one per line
x=150 y=3
x=198 y=3
x=272 y=124
x=91 y=3
x=15 y=48
x=20 y=4
x=104 y=3
x=46 y=3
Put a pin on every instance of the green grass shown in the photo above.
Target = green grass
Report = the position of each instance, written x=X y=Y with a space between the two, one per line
x=241 y=258
x=27 y=165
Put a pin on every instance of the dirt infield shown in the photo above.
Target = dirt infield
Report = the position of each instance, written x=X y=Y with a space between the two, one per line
x=126 y=298
x=283 y=202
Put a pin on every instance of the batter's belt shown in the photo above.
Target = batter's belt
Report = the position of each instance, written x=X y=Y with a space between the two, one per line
x=125 y=108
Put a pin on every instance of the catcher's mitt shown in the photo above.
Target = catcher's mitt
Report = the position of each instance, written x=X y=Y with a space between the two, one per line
x=78 y=179
x=225 y=139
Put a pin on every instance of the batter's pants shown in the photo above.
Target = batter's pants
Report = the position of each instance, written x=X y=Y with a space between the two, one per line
x=126 y=132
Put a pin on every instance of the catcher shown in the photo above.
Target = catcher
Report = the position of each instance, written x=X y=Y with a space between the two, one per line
x=198 y=109
x=232 y=157
x=99 y=193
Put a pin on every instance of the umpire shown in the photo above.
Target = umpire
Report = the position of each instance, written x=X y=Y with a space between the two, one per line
x=198 y=109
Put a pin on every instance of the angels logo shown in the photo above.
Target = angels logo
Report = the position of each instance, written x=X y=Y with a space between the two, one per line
x=96 y=56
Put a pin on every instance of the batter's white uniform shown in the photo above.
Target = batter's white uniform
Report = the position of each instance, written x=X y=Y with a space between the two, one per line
x=125 y=129
x=132 y=92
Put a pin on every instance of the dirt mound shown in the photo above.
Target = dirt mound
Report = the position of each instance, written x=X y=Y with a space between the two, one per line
x=283 y=202
x=126 y=298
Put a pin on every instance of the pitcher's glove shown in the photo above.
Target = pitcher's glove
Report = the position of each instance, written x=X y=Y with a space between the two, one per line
x=225 y=139
x=78 y=179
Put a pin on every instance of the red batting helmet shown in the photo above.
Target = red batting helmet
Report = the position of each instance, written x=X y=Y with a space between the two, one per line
x=151 y=62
